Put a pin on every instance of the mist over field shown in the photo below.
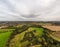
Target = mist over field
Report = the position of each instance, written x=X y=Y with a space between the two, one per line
x=29 y=10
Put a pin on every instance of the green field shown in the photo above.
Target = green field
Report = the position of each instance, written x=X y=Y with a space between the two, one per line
x=4 y=35
x=19 y=37
x=27 y=36
x=39 y=31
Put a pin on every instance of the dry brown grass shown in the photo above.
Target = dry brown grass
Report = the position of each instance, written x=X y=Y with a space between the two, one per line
x=52 y=27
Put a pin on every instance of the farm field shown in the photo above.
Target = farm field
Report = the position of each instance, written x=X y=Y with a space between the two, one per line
x=28 y=36
x=4 y=36
x=52 y=27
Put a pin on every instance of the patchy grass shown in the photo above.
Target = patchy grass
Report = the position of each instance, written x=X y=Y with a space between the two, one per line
x=16 y=41
x=39 y=31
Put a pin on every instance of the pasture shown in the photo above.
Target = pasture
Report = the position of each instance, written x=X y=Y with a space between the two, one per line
x=4 y=36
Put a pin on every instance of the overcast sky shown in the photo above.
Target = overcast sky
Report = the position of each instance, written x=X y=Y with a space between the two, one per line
x=29 y=10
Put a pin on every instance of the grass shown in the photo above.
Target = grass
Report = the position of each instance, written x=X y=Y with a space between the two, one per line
x=54 y=37
x=4 y=37
x=39 y=31
x=19 y=37
x=15 y=42
x=5 y=30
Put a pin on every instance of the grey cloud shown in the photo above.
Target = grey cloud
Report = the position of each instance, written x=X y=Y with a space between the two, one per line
x=30 y=10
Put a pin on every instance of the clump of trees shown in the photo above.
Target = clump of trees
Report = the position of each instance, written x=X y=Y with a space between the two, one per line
x=31 y=38
x=45 y=40
x=15 y=32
